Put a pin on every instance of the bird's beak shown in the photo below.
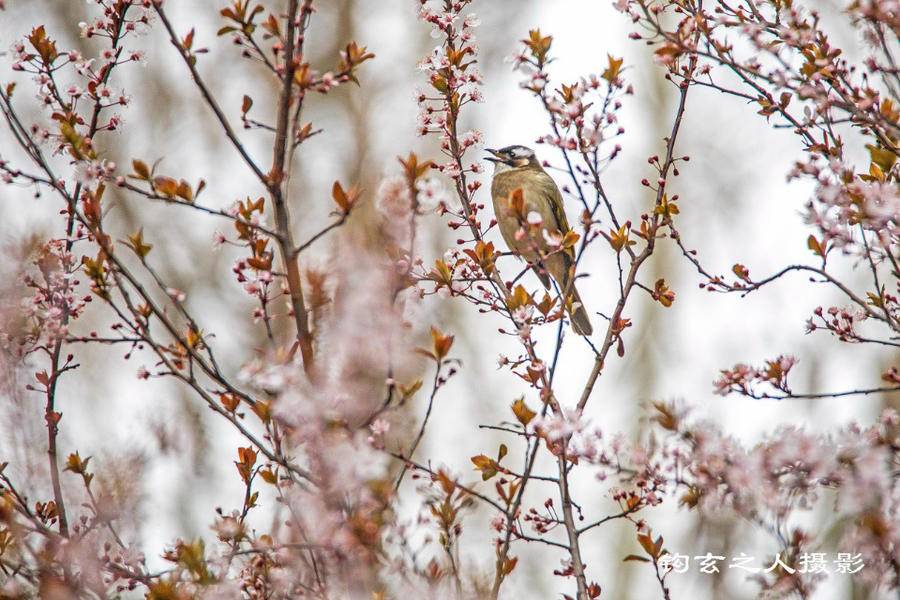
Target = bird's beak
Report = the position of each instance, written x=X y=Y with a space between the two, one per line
x=496 y=155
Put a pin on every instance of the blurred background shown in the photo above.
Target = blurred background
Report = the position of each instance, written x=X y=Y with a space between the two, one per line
x=736 y=207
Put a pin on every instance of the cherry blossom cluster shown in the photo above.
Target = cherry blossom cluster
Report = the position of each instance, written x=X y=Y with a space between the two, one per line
x=38 y=55
x=794 y=73
x=400 y=201
x=333 y=404
x=345 y=511
x=57 y=298
x=841 y=322
x=455 y=82
x=853 y=211
x=791 y=472
x=340 y=428
x=756 y=382
x=255 y=271
x=138 y=12
x=584 y=114
x=781 y=57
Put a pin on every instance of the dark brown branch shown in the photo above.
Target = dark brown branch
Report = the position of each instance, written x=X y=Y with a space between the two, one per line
x=208 y=96
x=412 y=449
x=278 y=191
x=636 y=262
x=814 y=395
x=204 y=209
x=299 y=249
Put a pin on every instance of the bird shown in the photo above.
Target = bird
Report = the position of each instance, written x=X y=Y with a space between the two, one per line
x=526 y=198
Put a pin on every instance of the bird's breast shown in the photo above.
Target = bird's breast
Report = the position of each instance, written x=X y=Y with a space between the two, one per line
x=538 y=199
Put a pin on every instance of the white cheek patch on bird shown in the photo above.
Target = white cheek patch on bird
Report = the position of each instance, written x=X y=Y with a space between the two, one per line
x=500 y=166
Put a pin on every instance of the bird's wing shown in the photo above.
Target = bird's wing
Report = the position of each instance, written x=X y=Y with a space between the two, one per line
x=542 y=275
x=556 y=204
x=551 y=190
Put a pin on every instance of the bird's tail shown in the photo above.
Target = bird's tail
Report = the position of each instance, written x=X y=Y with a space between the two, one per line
x=560 y=268
x=581 y=322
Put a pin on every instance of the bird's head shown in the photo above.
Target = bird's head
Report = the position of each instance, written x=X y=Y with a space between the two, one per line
x=512 y=157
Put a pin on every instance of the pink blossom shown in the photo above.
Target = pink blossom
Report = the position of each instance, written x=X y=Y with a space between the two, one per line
x=393 y=199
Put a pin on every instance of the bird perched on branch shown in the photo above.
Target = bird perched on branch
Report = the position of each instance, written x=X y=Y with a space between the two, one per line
x=529 y=209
